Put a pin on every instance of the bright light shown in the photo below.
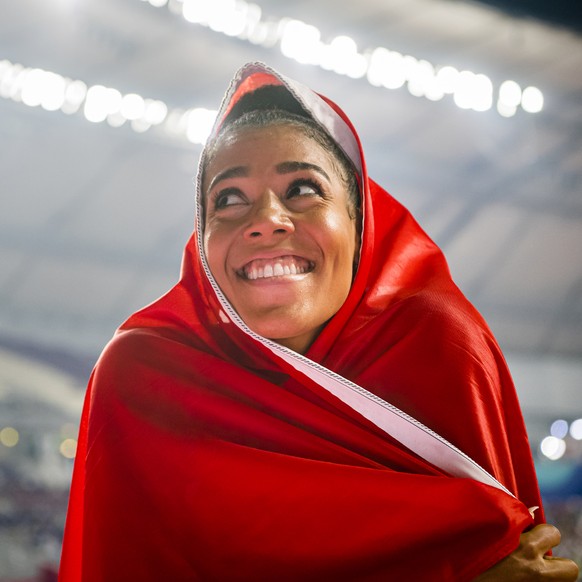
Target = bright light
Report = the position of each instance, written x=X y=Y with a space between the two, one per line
x=396 y=72
x=447 y=79
x=54 y=92
x=298 y=40
x=387 y=69
x=473 y=91
x=235 y=24
x=253 y=21
x=42 y=88
x=377 y=66
x=433 y=91
x=301 y=42
x=483 y=93
x=532 y=100
x=420 y=77
x=342 y=56
x=132 y=106
x=464 y=92
x=68 y=448
x=9 y=86
x=155 y=112
x=259 y=33
x=576 y=429
x=116 y=119
x=31 y=93
x=176 y=122
x=227 y=16
x=553 y=448
x=559 y=429
x=506 y=110
x=100 y=102
x=36 y=87
x=200 y=122
x=75 y=94
x=9 y=436
x=195 y=11
x=219 y=12
x=510 y=93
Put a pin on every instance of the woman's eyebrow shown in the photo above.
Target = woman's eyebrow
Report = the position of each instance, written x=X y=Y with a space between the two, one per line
x=234 y=172
x=288 y=167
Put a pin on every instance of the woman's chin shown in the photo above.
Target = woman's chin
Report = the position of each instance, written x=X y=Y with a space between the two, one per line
x=297 y=338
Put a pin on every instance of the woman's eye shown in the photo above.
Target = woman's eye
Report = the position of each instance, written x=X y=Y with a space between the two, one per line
x=303 y=189
x=226 y=198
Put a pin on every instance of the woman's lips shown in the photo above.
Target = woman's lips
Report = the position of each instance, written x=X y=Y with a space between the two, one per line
x=275 y=267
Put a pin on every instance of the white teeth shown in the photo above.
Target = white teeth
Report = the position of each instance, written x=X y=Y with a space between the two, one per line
x=279 y=268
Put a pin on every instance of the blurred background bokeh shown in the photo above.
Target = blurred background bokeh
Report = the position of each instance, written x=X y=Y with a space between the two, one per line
x=470 y=114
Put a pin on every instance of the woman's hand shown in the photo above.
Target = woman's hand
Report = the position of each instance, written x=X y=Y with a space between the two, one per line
x=529 y=563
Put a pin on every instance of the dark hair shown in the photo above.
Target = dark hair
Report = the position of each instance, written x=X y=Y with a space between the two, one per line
x=274 y=105
x=265 y=98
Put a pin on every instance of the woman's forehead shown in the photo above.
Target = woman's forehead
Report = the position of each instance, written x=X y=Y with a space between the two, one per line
x=259 y=145
x=281 y=130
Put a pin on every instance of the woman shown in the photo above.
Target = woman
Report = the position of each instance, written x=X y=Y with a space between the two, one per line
x=239 y=427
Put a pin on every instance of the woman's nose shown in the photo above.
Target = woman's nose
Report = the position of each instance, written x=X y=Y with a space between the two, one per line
x=269 y=217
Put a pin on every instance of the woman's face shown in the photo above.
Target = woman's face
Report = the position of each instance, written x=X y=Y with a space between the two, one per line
x=279 y=237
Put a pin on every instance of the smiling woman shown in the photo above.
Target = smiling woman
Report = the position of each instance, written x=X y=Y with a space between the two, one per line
x=244 y=426
x=279 y=235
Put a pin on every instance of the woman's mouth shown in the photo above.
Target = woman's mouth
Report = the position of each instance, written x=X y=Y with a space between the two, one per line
x=277 y=267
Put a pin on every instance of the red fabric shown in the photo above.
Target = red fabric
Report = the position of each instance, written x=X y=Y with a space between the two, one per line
x=202 y=456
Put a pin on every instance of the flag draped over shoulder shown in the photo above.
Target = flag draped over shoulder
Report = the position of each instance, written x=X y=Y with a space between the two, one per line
x=205 y=456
